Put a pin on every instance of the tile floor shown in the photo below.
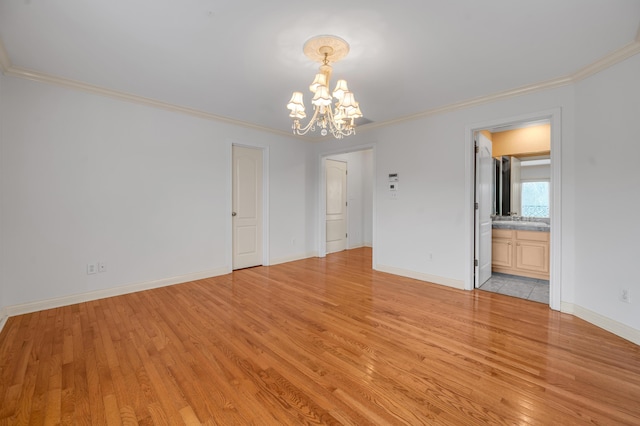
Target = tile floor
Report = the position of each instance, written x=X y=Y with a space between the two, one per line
x=522 y=287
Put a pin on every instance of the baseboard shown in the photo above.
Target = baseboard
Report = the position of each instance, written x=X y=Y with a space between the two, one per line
x=292 y=258
x=57 y=302
x=459 y=284
x=615 y=327
x=361 y=245
x=4 y=316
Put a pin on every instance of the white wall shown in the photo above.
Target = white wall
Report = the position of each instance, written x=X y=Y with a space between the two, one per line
x=359 y=194
x=600 y=183
x=607 y=191
x=429 y=214
x=86 y=178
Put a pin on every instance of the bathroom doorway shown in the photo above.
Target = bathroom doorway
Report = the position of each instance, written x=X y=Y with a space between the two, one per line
x=518 y=188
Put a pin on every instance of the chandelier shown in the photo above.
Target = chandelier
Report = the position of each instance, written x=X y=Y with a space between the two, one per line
x=338 y=119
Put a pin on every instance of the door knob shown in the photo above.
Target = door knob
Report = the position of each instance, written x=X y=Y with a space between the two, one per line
x=234 y=214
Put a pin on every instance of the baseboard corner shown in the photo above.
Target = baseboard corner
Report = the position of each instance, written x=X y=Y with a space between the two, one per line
x=619 y=329
x=4 y=316
x=448 y=282
x=293 y=258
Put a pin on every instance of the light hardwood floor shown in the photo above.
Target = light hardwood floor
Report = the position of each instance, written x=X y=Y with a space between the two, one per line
x=320 y=341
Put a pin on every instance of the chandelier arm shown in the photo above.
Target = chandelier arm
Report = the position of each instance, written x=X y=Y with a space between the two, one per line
x=310 y=125
x=346 y=129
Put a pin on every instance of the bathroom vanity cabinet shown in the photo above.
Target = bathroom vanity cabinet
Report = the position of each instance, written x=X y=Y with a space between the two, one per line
x=524 y=253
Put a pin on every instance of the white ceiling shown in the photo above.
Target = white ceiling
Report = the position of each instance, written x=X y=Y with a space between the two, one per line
x=242 y=59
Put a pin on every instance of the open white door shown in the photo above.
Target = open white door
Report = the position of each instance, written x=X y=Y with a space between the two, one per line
x=336 y=177
x=484 y=185
x=247 y=207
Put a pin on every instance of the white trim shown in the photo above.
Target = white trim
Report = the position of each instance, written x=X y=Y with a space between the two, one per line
x=611 y=59
x=129 y=97
x=57 y=302
x=228 y=223
x=554 y=117
x=356 y=246
x=619 y=329
x=434 y=279
x=607 y=61
x=293 y=258
x=555 y=212
x=603 y=63
x=265 y=207
x=322 y=204
x=523 y=90
x=4 y=316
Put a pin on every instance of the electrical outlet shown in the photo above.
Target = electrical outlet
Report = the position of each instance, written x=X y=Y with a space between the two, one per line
x=430 y=256
x=625 y=295
x=92 y=268
x=102 y=267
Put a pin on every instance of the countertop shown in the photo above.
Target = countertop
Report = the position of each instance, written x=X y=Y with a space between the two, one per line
x=521 y=225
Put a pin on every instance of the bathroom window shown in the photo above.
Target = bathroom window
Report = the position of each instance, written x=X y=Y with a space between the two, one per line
x=535 y=199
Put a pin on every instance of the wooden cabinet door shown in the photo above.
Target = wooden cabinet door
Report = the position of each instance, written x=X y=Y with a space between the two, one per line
x=532 y=256
x=502 y=252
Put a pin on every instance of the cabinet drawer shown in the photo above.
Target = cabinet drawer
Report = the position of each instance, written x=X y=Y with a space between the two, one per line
x=532 y=235
x=502 y=233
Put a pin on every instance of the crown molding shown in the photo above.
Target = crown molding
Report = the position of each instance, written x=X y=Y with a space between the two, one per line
x=523 y=90
x=73 y=84
x=613 y=58
x=607 y=61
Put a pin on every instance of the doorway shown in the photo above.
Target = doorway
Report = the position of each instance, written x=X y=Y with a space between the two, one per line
x=359 y=200
x=543 y=251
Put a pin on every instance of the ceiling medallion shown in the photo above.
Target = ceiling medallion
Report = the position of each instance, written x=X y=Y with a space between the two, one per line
x=338 y=119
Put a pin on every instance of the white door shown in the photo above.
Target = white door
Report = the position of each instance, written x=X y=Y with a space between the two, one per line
x=484 y=185
x=247 y=207
x=336 y=180
x=516 y=187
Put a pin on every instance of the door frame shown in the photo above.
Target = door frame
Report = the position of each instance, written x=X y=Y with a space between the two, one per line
x=322 y=198
x=555 y=206
x=265 y=203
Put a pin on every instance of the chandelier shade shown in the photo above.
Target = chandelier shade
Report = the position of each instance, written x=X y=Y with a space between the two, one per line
x=339 y=119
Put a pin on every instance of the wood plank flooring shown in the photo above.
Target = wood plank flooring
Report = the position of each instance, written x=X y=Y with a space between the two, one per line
x=317 y=341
